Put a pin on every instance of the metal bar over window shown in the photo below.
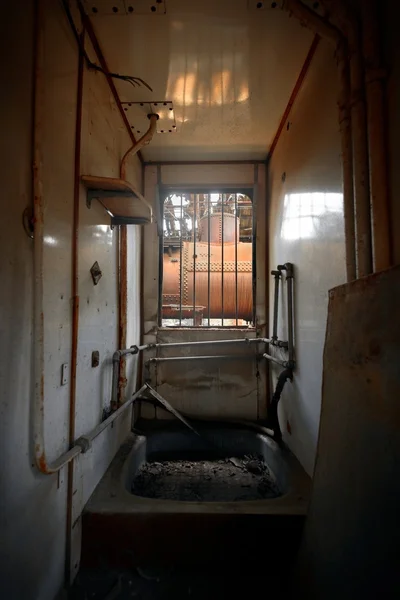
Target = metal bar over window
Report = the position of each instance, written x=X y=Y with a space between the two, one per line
x=205 y=288
x=222 y=259
x=236 y=260
x=180 y=263
x=209 y=258
x=195 y=197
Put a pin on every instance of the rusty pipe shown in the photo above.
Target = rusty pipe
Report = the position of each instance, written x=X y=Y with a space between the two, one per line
x=360 y=159
x=349 y=30
x=349 y=27
x=143 y=141
x=375 y=76
x=347 y=159
x=123 y=308
x=38 y=247
x=308 y=18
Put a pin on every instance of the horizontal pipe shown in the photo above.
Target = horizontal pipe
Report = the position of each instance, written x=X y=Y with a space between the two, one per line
x=278 y=361
x=206 y=357
x=279 y=344
x=64 y=459
x=204 y=342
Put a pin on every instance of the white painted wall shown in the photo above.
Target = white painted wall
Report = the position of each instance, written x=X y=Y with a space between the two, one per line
x=221 y=388
x=307 y=158
x=33 y=506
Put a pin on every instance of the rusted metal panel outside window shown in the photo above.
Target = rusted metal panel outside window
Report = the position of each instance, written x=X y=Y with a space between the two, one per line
x=208 y=259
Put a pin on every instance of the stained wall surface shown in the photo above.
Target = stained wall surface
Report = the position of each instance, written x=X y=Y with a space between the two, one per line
x=33 y=506
x=306 y=228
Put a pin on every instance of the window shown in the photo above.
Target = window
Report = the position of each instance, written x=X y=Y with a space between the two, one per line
x=208 y=258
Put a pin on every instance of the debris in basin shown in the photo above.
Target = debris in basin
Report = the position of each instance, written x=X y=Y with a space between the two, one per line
x=255 y=466
x=219 y=480
x=235 y=461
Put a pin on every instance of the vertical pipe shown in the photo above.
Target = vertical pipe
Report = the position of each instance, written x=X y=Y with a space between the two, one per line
x=123 y=308
x=195 y=196
x=236 y=259
x=360 y=149
x=289 y=284
x=160 y=234
x=377 y=128
x=180 y=263
x=347 y=159
x=38 y=216
x=254 y=243
x=222 y=258
x=209 y=258
x=277 y=276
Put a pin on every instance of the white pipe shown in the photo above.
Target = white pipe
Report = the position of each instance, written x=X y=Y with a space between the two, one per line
x=213 y=342
x=134 y=149
x=158 y=359
x=278 y=361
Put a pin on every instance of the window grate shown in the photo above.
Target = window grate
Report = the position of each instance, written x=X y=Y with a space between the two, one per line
x=207 y=261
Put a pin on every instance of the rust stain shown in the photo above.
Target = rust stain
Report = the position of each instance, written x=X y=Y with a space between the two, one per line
x=123 y=309
x=42 y=464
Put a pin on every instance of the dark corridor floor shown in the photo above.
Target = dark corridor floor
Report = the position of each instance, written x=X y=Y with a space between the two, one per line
x=172 y=583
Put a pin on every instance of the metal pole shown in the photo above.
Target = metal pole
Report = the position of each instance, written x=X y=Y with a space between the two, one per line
x=254 y=242
x=289 y=283
x=236 y=260
x=180 y=264
x=206 y=357
x=347 y=159
x=211 y=342
x=209 y=259
x=222 y=259
x=277 y=276
x=195 y=196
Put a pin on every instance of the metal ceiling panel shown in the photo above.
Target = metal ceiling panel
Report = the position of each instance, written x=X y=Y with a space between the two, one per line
x=228 y=70
x=137 y=115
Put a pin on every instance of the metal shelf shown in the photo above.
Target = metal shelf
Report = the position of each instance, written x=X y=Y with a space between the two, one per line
x=124 y=204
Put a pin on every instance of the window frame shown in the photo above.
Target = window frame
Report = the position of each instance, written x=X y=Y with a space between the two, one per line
x=164 y=190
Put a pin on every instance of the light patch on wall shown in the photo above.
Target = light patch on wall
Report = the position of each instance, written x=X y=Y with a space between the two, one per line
x=302 y=213
x=50 y=241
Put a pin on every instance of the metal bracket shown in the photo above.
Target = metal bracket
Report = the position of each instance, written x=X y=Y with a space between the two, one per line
x=99 y=194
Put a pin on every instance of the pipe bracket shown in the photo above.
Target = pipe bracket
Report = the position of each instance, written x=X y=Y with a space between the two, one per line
x=84 y=443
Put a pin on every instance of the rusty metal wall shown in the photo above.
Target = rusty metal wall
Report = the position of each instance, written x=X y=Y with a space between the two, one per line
x=352 y=529
x=199 y=278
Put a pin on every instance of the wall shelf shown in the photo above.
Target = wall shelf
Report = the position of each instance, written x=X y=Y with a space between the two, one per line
x=124 y=204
